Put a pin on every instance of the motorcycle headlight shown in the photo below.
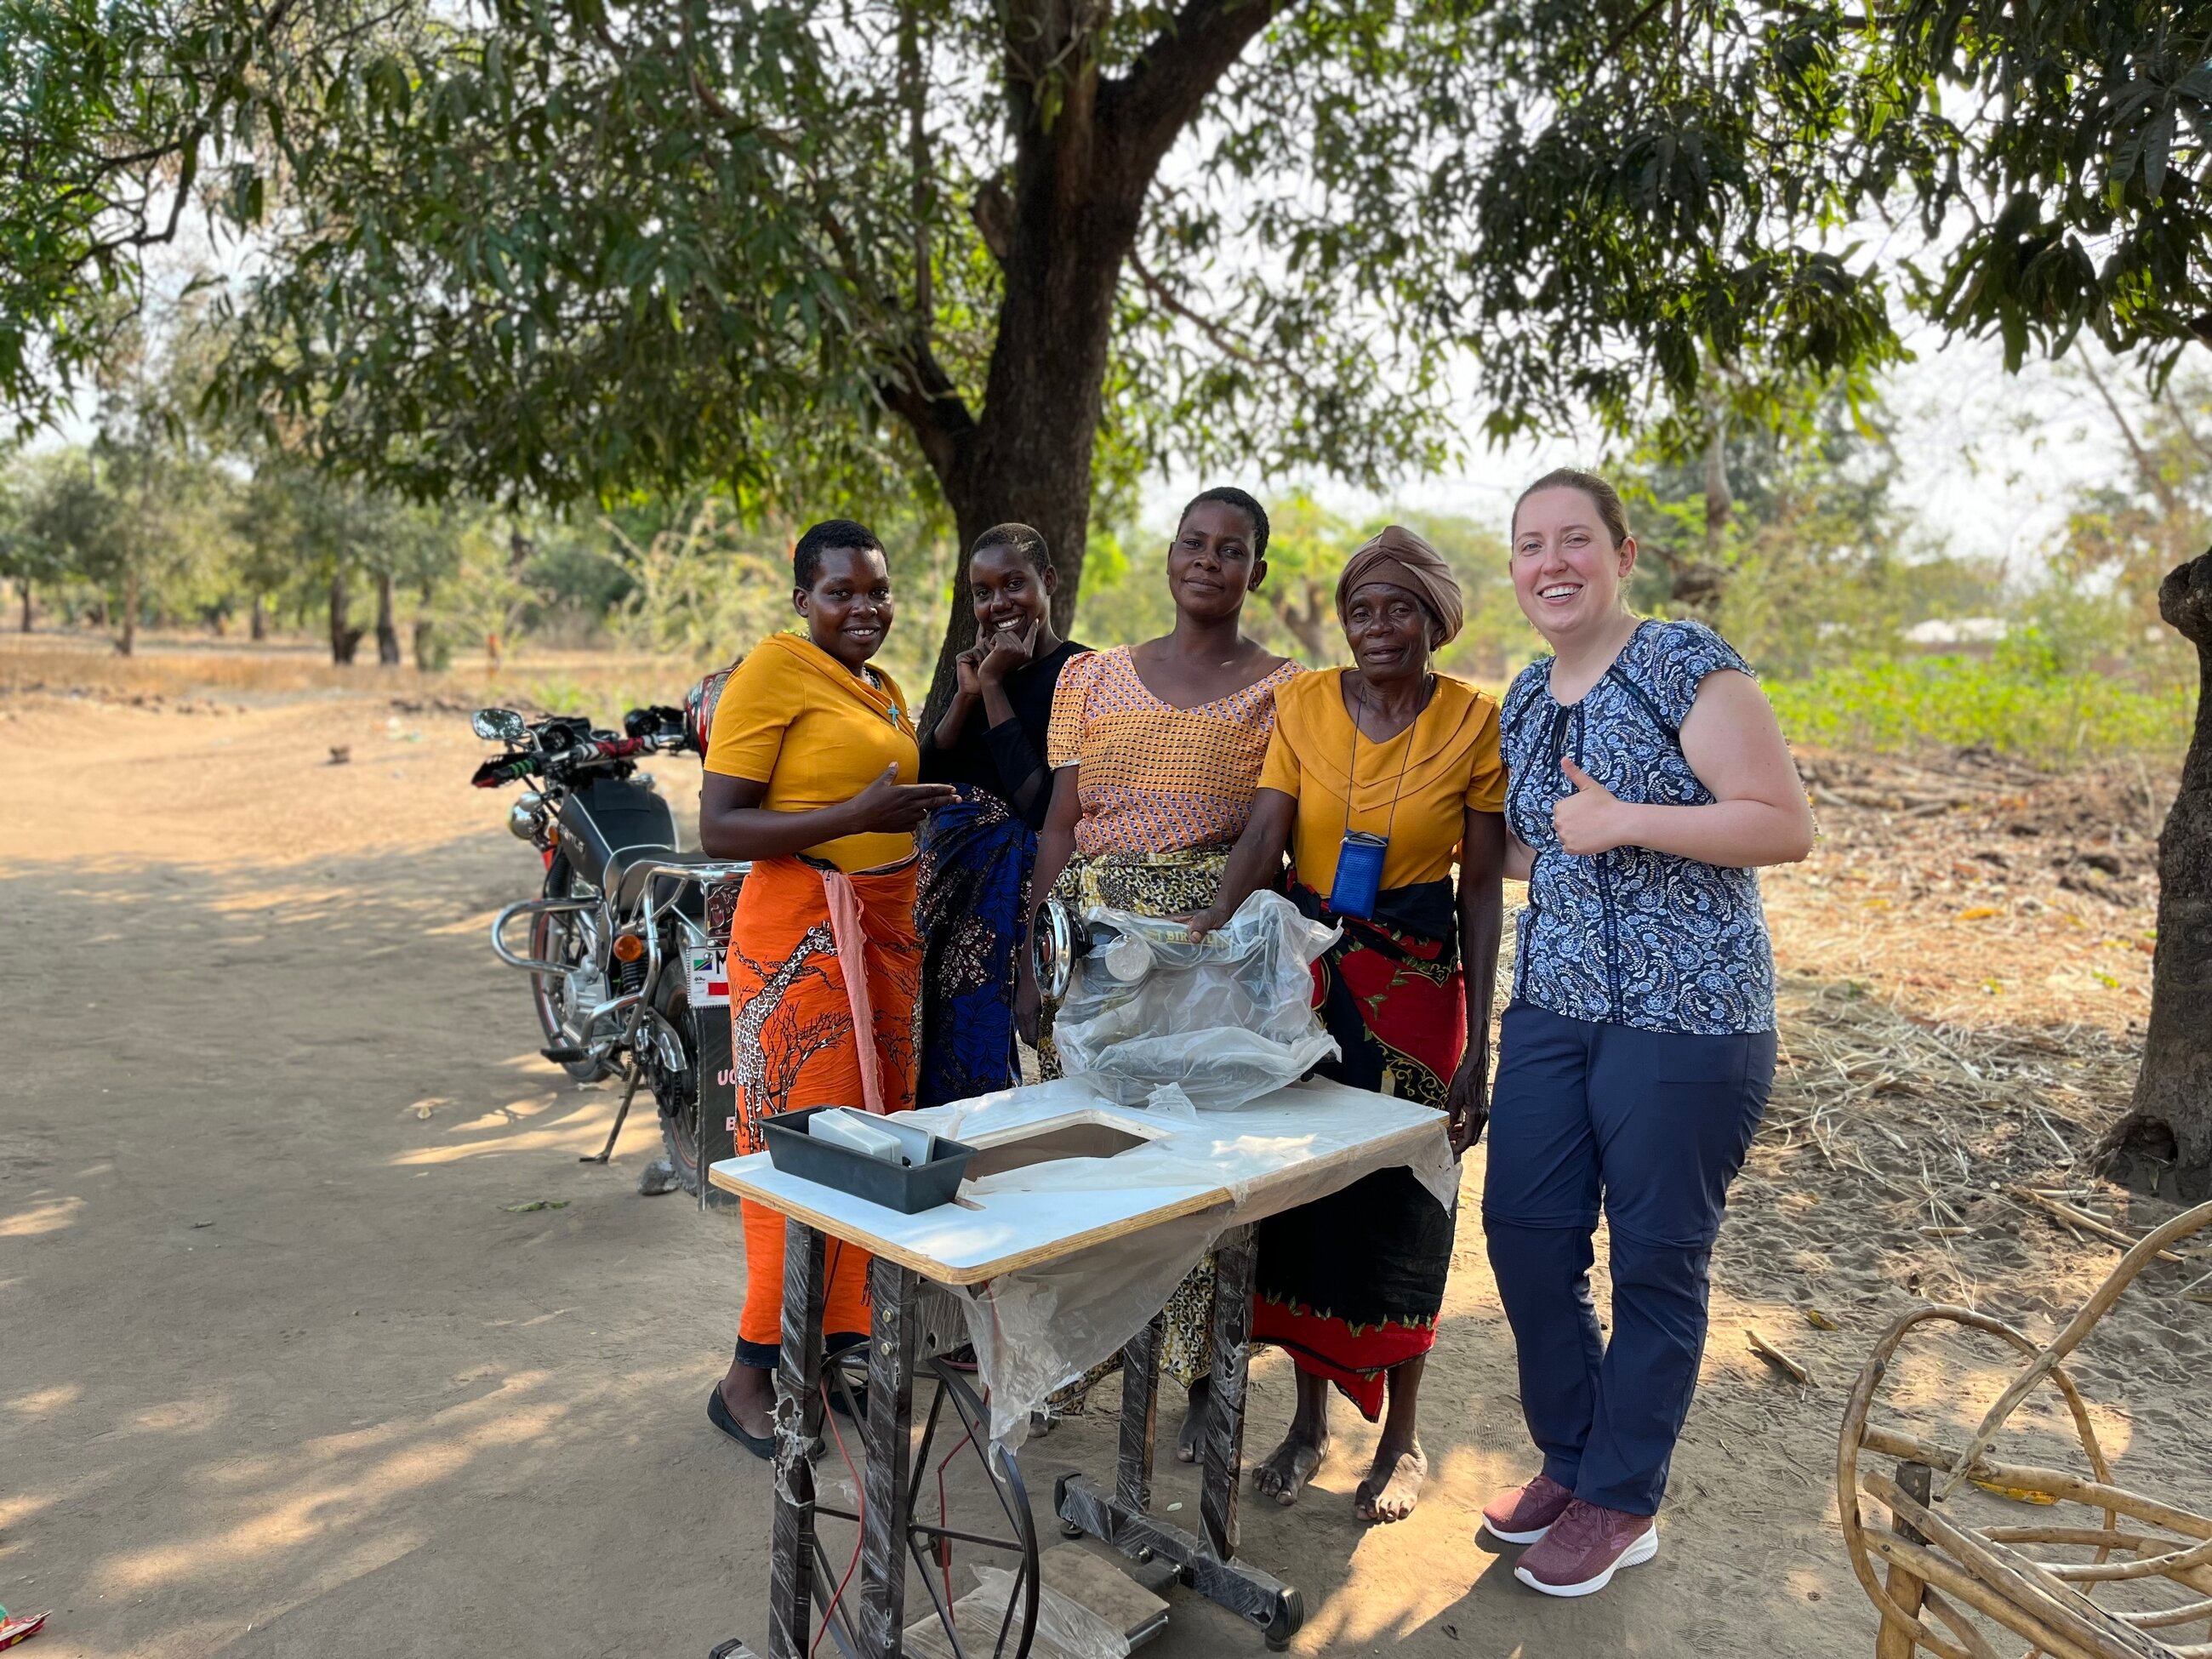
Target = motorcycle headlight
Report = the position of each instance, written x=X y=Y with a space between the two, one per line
x=525 y=819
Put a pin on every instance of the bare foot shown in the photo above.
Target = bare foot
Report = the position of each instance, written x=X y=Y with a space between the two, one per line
x=1393 y=1485
x=1283 y=1475
x=749 y=1392
x=1192 y=1431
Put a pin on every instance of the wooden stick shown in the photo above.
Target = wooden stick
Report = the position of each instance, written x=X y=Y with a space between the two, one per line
x=2082 y=1219
x=1969 y=1637
x=2177 y=1564
x=2021 y=1581
x=1896 y=1639
x=2057 y=1482
x=2138 y=1255
x=2189 y=1613
x=1774 y=1357
x=1961 y=1585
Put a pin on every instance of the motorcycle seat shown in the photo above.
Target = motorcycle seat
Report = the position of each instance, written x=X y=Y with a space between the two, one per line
x=627 y=871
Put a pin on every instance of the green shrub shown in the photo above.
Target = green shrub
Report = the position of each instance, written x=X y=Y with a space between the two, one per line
x=2013 y=704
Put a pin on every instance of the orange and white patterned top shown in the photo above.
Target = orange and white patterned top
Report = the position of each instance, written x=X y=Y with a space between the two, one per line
x=1155 y=778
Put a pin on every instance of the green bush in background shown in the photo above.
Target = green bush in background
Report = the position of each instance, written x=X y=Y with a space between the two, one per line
x=2016 y=701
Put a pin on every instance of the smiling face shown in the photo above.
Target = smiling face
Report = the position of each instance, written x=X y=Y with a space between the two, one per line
x=1009 y=594
x=1210 y=566
x=1388 y=630
x=1567 y=573
x=849 y=609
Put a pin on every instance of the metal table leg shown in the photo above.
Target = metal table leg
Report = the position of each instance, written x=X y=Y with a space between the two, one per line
x=1206 y=1564
x=792 y=1545
x=886 y=1517
x=1140 y=1411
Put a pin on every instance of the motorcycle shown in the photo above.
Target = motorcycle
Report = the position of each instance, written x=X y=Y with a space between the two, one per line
x=621 y=954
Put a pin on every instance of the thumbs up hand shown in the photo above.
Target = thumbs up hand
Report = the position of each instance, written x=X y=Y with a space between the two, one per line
x=1590 y=820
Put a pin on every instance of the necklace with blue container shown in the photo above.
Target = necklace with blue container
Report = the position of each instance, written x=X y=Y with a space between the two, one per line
x=1358 y=881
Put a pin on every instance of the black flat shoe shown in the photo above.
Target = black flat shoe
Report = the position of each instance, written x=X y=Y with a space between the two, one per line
x=760 y=1445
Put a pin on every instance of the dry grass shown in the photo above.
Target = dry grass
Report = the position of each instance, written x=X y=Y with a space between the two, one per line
x=170 y=668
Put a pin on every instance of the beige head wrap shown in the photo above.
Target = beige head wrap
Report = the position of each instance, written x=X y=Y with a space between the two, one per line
x=1397 y=555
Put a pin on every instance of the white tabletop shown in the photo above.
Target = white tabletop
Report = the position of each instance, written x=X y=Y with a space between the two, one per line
x=1286 y=1149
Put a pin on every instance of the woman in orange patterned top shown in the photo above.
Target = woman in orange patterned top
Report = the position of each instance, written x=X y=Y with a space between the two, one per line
x=1156 y=751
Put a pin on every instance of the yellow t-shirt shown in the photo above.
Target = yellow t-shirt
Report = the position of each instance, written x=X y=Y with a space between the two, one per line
x=794 y=718
x=1448 y=757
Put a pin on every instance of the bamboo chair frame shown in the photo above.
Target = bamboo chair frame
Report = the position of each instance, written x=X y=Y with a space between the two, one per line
x=1939 y=1579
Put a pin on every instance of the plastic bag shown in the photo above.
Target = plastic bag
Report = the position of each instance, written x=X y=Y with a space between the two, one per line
x=1224 y=1019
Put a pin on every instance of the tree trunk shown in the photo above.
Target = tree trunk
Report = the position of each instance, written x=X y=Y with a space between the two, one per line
x=1028 y=458
x=388 y=631
x=1308 y=624
x=1720 y=499
x=345 y=640
x=128 y=645
x=1086 y=150
x=24 y=588
x=257 y=620
x=2164 y=1145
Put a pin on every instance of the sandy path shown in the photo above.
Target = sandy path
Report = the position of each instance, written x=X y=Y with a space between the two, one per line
x=281 y=1376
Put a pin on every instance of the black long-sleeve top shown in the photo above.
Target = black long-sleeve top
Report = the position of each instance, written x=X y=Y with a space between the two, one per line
x=1008 y=759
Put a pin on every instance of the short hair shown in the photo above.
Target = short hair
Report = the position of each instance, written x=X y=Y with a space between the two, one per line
x=806 y=557
x=1603 y=496
x=1230 y=496
x=1023 y=540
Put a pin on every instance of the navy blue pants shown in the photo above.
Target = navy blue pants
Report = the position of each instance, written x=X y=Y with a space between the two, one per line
x=1653 y=1125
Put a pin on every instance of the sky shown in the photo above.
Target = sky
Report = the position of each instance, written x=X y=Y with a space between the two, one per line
x=1990 y=462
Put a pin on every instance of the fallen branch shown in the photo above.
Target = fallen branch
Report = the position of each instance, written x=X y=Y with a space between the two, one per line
x=1774 y=1357
x=2082 y=1219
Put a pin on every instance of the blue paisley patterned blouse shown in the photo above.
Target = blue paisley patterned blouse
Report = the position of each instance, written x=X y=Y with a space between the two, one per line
x=1631 y=937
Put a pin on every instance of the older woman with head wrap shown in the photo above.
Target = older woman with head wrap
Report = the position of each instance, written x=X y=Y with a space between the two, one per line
x=1379 y=778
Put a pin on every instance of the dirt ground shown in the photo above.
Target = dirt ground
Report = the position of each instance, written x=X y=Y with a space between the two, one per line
x=283 y=1372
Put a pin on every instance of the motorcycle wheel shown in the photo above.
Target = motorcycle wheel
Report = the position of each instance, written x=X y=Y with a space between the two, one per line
x=678 y=1097
x=557 y=939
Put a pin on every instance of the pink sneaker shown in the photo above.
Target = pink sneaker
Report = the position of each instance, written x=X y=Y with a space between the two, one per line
x=1584 y=1548
x=1525 y=1514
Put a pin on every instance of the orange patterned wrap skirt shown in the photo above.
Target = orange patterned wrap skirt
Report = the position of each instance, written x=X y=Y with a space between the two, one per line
x=815 y=956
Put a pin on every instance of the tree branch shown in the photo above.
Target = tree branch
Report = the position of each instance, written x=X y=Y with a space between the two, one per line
x=915 y=83
x=1223 y=340
x=2146 y=464
x=1145 y=109
x=925 y=398
x=2182 y=421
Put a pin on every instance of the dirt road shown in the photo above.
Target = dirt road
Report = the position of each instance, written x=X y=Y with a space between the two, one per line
x=283 y=1374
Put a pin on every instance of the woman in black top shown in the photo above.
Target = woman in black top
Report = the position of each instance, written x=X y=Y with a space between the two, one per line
x=977 y=852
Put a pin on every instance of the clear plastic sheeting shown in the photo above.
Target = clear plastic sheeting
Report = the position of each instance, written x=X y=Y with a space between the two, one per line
x=1225 y=1019
x=1036 y=1328
x=1065 y=1629
x=1072 y=1628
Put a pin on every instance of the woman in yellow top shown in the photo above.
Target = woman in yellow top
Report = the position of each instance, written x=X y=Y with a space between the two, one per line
x=810 y=772
x=1379 y=778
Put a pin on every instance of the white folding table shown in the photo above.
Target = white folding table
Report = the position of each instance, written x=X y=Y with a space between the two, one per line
x=1289 y=1147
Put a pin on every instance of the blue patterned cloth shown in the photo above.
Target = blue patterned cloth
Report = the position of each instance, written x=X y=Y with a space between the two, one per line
x=976 y=857
x=1631 y=937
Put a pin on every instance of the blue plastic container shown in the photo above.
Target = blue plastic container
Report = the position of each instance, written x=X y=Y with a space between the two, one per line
x=1358 y=874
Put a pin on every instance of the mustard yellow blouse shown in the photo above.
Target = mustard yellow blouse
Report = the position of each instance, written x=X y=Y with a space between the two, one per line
x=796 y=719
x=1448 y=760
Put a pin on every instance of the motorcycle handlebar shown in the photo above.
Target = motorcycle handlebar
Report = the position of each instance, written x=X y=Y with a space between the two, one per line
x=650 y=731
x=502 y=768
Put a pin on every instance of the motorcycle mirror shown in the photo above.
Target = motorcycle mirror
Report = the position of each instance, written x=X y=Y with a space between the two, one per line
x=501 y=725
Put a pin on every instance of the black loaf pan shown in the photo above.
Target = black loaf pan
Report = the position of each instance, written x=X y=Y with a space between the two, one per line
x=908 y=1188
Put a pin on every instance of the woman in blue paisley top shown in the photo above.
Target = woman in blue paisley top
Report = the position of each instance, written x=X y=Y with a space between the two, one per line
x=1647 y=782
